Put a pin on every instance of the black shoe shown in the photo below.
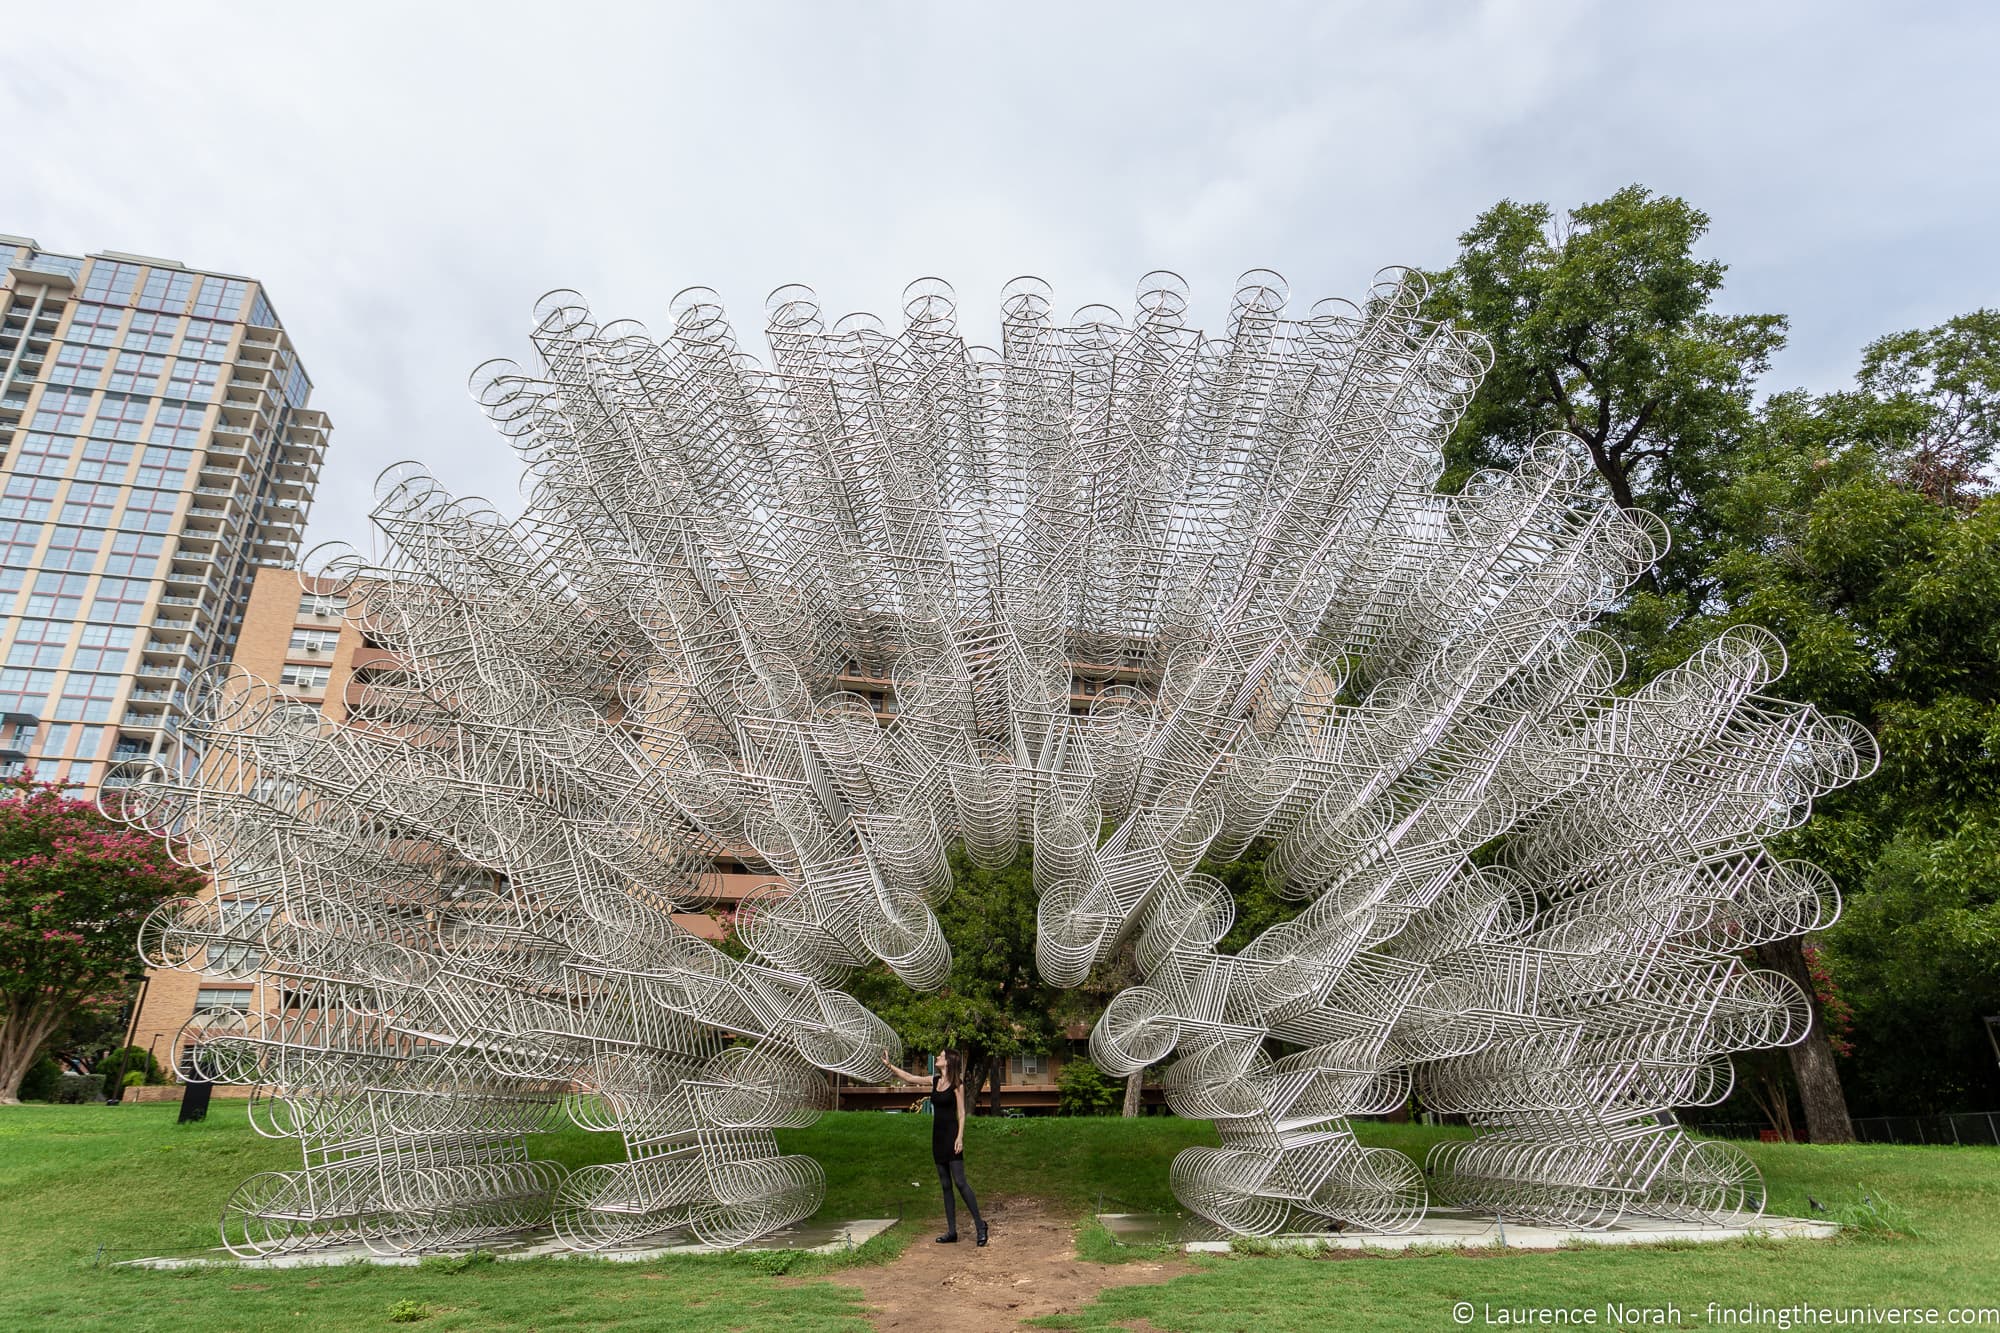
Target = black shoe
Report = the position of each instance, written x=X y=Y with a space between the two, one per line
x=981 y=1227
x=950 y=1238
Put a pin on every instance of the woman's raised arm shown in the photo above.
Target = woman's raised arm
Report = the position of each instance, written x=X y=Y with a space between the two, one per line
x=915 y=1080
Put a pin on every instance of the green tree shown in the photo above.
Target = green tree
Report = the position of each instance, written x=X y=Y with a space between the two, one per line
x=1603 y=325
x=73 y=889
x=994 y=1004
x=1885 y=585
x=1946 y=383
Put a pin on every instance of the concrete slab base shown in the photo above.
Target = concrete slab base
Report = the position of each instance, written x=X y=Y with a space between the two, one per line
x=811 y=1237
x=1451 y=1228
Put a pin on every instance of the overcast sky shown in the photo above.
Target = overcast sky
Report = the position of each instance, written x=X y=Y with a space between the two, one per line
x=407 y=178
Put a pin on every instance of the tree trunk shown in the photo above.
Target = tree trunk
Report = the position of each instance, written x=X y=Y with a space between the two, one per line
x=1134 y=1092
x=1812 y=1059
x=27 y=1029
x=993 y=1076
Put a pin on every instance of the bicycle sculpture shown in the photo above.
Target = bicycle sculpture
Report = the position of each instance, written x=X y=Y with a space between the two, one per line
x=1140 y=597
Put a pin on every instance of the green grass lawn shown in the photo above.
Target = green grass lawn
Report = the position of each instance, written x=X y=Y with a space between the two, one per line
x=80 y=1186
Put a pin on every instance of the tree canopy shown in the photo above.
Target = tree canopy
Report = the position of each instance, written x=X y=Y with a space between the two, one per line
x=73 y=888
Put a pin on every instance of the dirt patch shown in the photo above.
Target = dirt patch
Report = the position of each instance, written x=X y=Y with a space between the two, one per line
x=1027 y=1270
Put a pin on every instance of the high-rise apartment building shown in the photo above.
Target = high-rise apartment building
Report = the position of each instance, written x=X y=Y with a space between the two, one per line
x=159 y=449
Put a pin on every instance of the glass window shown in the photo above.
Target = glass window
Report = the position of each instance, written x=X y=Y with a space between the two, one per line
x=314 y=640
x=87 y=697
x=166 y=289
x=164 y=467
x=149 y=511
x=110 y=280
x=193 y=380
x=104 y=459
x=28 y=497
x=18 y=541
x=90 y=503
x=121 y=416
x=220 y=298
x=78 y=364
x=151 y=333
x=121 y=601
x=62 y=410
x=39 y=643
x=297 y=387
x=45 y=455
x=73 y=548
x=223 y=997
x=261 y=313
x=89 y=741
x=134 y=553
x=174 y=419
x=96 y=325
x=309 y=678
x=23 y=691
x=137 y=372
x=103 y=648
x=322 y=604
x=206 y=340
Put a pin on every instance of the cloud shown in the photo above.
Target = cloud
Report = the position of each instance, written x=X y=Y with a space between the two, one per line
x=408 y=179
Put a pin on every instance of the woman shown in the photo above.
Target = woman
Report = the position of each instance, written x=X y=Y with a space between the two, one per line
x=947 y=1136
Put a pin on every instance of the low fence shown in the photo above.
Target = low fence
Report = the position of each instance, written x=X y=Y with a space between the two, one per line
x=1967 y=1128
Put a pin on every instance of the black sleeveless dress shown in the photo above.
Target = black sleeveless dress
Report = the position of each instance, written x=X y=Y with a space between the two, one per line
x=944 y=1125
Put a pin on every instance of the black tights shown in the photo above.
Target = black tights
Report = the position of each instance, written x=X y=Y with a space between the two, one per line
x=954 y=1174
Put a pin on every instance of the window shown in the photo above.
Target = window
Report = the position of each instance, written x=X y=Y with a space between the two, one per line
x=39 y=643
x=104 y=458
x=261 y=313
x=322 y=604
x=134 y=553
x=164 y=467
x=166 y=289
x=87 y=697
x=25 y=691
x=73 y=548
x=120 y=601
x=193 y=379
x=220 y=298
x=223 y=997
x=56 y=739
x=151 y=333
x=206 y=340
x=78 y=364
x=314 y=640
x=57 y=596
x=150 y=511
x=102 y=648
x=308 y=678
x=44 y=455
x=1025 y=1069
x=297 y=387
x=62 y=410
x=121 y=416
x=179 y=424
x=89 y=740
x=137 y=372
x=110 y=280
x=95 y=325
x=90 y=503
x=28 y=497
x=18 y=542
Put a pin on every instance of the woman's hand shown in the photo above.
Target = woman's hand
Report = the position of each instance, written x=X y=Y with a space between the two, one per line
x=959 y=1146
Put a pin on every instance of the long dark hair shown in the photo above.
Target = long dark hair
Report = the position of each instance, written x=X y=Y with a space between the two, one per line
x=951 y=1069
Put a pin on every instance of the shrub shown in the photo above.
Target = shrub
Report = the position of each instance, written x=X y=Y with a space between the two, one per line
x=137 y=1060
x=408 y=1312
x=135 y=1079
x=1082 y=1090
x=76 y=1089
x=41 y=1082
